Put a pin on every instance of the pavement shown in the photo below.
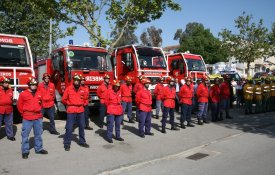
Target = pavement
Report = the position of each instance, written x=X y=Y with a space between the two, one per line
x=134 y=152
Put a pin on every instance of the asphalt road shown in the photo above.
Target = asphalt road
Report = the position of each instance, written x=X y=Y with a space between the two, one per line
x=244 y=145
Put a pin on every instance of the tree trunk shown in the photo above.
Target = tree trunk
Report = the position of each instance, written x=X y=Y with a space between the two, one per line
x=248 y=69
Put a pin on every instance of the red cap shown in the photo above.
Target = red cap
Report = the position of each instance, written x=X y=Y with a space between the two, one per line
x=76 y=76
x=127 y=78
x=116 y=83
x=170 y=79
x=106 y=76
x=46 y=75
x=32 y=81
x=145 y=80
x=82 y=77
x=188 y=78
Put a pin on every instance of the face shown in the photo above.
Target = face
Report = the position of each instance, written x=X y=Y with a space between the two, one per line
x=107 y=80
x=5 y=85
x=128 y=82
x=146 y=85
x=46 y=79
x=82 y=82
x=217 y=82
x=188 y=82
x=76 y=82
x=172 y=83
x=33 y=87
x=116 y=88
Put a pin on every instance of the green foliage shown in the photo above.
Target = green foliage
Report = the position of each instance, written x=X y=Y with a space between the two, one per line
x=271 y=40
x=152 y=37
x=198 y=40
x=249 y=43
x=127 y=38
x=28 y=19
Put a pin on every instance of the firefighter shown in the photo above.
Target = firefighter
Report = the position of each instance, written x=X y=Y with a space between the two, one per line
x=144 y=101
x=114 y=111
x=86 y=102
x=29 y=106
x=126 y=94
x=73 y=100
x=258 y=96
x=168 y=97
x=137 y=87
x=272 y=94
x=225 y=95
x=248 y=96
x=186 y=96
x=47 y=90
x=101 y=93
x=158 y=93
x=214 y=97
x=202 y=95
x=266 y=95
x=6 y=108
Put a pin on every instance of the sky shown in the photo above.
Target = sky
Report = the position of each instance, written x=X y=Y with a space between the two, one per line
x=213 y=14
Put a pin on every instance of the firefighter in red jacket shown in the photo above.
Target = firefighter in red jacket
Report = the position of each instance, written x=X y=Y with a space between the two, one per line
x=73 y=100
x=29 y=106
x=114 y=111
x=47 y=90
x=101 y=93
x=214 y=97
x=225 y=97
x=168 y=97
x=138 y=86
x=144 y=101
x=126 y=94
x=202 y=95
x=86 y=102
x=158 y=93
x=6 y=109
x=186 y=98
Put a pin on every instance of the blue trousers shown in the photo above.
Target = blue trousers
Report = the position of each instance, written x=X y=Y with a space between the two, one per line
x=8 y=119
x=214 y=111
x=102 y=112
x=202 y=113
x=144 y=120
x=27 y=125
x=111 y=119
x=50 y=113
x=128 y=106
x=159 y=106
x=225 y=105
x=186 y=111
x=87 y=115
x=72 y=118
x=165 y=115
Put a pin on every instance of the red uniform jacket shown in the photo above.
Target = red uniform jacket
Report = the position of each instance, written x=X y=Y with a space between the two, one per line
x=168 y=97
x=138 y=86
x=215 y=94
x=202 y=93
x=6 y=100
x=158 y=91
x=113 y=102
x=186 y=94
x=29 y=105
x=144 y=100
x=225 y=90
x=126 y=92
x=86 y=96
x=74 y=100
x=48 y=94
x=101 y=91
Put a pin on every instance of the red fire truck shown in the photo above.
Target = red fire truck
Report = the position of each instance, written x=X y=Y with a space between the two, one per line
x=16 y=61
x=64 y=62
x=135 y=60
x=186 y=64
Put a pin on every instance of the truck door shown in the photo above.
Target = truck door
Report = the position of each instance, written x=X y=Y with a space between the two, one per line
x=125 y=65
x=178 y=68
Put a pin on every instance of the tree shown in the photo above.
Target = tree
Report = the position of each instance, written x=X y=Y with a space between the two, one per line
x=121 y=14
x=151 y=37
x=127 y=38
x=199 y=40
x=29 y=20
x=271 y=39
x=249 y=43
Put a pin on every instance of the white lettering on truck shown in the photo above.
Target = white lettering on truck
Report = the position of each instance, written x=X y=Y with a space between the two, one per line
x=5 y=40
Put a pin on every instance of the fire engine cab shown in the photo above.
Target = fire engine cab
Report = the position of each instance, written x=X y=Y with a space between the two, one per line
x=135 y=60
x=64 y=62
x=16 y=61
x=186 y=64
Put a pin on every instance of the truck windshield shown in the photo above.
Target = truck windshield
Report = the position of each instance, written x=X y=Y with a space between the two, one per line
x=195 y=65
x=150 y=57
x=90 y=60
x=13 y=56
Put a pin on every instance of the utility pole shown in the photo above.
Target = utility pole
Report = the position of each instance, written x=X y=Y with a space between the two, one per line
x=50 y=42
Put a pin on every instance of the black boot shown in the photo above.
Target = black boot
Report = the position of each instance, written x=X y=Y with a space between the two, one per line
x=163 y=130
x=157 y=117
x=228 y=116
x=189 y=124
x=182 y=125
x=205 y=120
x=200 y=122
x=221 y=117
x=174 y=128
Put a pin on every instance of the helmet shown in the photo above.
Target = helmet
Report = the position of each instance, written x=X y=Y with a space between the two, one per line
x=106 y=76
x=161 y=78
x=82 y=77
x=127 y=78
x=116 y=82
x=205 y=78
x=140 y=77
x=170 y=79
x=145 y=80
x=77 y=76
x=32 y=81
x=267 y=79
x=188 y=78
x=4 y=79
x=46 y=75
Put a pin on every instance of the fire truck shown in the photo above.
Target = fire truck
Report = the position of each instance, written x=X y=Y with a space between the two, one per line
x=133 y=60
x=16 y=61
x=92 y=62
x=186 y=64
